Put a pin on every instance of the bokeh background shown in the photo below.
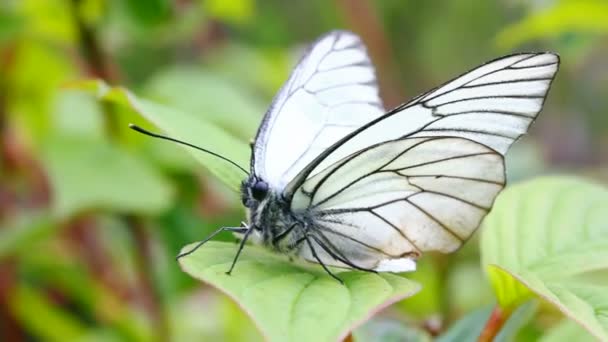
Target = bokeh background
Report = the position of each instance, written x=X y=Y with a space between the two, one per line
x=92 y=214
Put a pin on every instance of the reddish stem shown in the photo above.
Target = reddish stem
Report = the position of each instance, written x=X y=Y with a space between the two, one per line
x=494 y=324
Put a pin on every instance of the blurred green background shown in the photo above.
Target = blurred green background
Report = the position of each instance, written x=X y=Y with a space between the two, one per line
x=92 y=214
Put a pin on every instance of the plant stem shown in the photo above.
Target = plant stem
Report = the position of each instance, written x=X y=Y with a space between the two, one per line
x=497 y=319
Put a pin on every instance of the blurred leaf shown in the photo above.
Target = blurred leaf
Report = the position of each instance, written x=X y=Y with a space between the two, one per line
x=263 y=69
x=208 y=96
x=22 y=231
x=11 y=25
x=518 y=319
x=148 y=12
x=567 y=331
x=566 y=16
x=33 y=79
x=467 y=289
x=76 y=114
x=541 y=234
x=228 y=323
x=49 y=20
x=524 y=161
x=427 y=302
x=389 y=331
x=86 y=295
x=234 y=11
x=186 y=127
x=91 y=174
x=470 y=326
x=291 y=302
x=92 y=11
x=231 y=315
x=84 y=289
x=42 y=318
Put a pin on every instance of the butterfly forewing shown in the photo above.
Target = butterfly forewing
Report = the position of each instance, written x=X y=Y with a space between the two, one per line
x=493 y=104
x=331 y=92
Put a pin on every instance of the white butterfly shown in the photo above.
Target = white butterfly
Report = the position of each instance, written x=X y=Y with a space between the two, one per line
x=338 y=181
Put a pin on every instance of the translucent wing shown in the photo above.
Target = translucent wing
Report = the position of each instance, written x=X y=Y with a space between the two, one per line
x=384 y=205
x=330 y=93
x=493 y=104
x=422 y=176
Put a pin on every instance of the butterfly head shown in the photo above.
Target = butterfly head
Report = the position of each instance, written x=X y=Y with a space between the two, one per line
x=253 y=191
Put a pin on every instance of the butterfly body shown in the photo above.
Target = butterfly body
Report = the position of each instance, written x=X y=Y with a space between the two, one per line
x=273 y=224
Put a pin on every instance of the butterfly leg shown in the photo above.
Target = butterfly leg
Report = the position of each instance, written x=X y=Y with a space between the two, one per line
x=198 y=245
x=247 y=230
x=340 y=258
x=314 y=254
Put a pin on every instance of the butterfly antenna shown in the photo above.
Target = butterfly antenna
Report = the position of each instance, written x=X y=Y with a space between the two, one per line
x=154 y=135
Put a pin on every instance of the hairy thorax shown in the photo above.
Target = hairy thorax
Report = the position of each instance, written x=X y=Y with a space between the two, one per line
x=275 y=226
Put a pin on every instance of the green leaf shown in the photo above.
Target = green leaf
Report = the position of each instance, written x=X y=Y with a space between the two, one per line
x=11 y=25
x=186 y=127
x=470 y=326
x=427 y=302
x=76 y=114
x=235 y=11
x=567 y=331
x=291 y=302
x=567 y=16
x=42 y=318
x=539 y=237
x=149 y=12
x=206 y=95
x=383 y=330
x=92 y=175
x=20 y=232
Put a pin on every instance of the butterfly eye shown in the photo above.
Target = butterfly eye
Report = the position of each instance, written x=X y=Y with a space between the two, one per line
x=259 y=190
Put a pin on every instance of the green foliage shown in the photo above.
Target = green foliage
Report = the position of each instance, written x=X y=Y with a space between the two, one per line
x=235 y=11
x=469 y=327
x=186 y=127
x=390 y=331
x=149 y=12
x=291 y=302
x=541 y=235
x=567 y=16
x=207 y=96
x=21 y=232
x=567 y=331
x=89 y=175
x=49 y=323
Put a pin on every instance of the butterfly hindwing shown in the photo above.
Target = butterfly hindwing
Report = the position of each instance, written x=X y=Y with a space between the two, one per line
x=401 y=198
